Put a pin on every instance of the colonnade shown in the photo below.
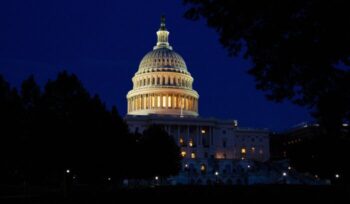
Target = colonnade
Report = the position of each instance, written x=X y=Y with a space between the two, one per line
x=166 y=101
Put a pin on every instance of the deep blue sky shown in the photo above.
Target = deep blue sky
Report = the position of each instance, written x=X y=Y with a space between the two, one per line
x=103 y=42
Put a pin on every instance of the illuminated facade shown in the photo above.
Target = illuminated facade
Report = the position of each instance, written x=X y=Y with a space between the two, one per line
x=162 y=94
x=162 y=84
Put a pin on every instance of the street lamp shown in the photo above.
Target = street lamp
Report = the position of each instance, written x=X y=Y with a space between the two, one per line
x=337 y=176
x=284 y=174
x=216 y=176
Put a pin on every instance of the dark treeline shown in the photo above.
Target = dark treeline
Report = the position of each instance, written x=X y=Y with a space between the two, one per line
x=46 y=132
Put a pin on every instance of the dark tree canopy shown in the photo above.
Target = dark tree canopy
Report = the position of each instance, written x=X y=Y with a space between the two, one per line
x=300 y=49
x=158 y=154
x=45 y=132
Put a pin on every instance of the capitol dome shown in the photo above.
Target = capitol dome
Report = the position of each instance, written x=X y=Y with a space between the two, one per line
x=162 y=85
x=162 y=59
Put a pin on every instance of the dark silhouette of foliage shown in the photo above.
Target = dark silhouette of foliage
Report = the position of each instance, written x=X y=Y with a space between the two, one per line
x=45 y=133
x=10 y=135
x=159 y=155
x=300 y=49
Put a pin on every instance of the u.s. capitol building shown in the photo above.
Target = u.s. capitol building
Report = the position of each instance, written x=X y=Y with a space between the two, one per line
x=163 y=94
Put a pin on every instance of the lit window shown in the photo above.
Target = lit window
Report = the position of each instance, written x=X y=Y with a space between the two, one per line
x=153 y=102
x=158 y=101
x=202 y=167
x=243 y=150
x=193 y=155
x=164 y=101
x=190 y=143
x=174 y=101
x=203 y=131
x=183 y=153
x=181 y=140
x=169 y=101
x=253 y=150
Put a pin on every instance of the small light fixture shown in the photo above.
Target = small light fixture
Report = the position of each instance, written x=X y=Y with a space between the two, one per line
x=67 y=171
x=289 y=167
x=216 y=173
x=156 y=178
x=284 y=174
x=203 y=131
x=337 y=176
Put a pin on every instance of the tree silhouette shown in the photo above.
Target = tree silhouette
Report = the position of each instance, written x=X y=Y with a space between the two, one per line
x=11 y=130
x=159 y=155
x=300 y=49
x=45 y=133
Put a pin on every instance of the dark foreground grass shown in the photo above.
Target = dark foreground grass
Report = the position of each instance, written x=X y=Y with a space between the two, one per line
x=193 y=194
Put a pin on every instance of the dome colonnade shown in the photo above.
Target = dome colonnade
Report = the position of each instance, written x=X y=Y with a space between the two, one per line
x=162 y=85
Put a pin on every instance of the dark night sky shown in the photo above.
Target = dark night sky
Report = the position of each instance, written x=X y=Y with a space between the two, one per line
x=103 y=42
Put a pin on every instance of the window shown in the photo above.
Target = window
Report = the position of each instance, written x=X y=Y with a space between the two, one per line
x=224 y=143
x=183 y=153
x=203 y=168
x=203 y=131
x=243 y=151
x=253 y=150
x=174 y=102
x=169 y=101
x=153 y=102
x=181 y=141
x=193 y=155
x=190 y=143
x=164 y=101
x=158 y=101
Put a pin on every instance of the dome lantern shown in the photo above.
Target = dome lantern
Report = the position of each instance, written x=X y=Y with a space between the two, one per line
x=162 y=36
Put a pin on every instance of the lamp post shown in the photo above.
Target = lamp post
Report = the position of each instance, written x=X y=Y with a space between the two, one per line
x=65 y=182
x=216 y=177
